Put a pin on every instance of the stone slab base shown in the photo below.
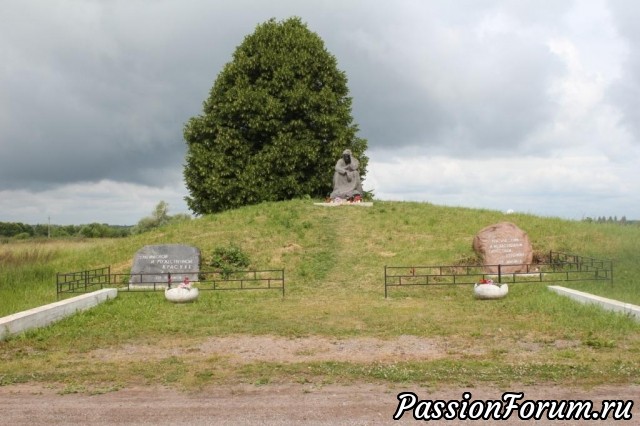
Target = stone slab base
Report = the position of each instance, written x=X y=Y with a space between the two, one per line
x=587 y=298
x=361 y=204
x=47 y=314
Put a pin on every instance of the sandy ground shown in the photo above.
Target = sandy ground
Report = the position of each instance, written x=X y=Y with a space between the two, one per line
x=276 y=404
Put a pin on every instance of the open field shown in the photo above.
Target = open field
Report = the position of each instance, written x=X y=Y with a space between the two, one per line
x=334 y=325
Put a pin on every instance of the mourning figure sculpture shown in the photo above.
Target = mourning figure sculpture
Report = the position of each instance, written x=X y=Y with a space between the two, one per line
x=346 y=179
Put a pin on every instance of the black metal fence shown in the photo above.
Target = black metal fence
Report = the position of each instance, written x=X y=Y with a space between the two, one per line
x=82 y=281
x=94 y=279
x=561 y=267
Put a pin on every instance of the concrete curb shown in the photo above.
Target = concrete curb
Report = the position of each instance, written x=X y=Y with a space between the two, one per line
x=608 y=304
x=47 y=314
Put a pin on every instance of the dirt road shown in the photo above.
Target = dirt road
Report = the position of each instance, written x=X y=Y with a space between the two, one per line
x=275 y=404
x=355 y=404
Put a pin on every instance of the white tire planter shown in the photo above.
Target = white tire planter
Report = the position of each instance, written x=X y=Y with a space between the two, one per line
x=490 y=291
x=181 y=294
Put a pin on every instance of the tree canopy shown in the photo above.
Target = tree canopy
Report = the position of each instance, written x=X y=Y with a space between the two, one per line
x=276 y=120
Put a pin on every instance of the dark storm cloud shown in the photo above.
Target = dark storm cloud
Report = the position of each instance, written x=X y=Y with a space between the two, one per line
x=459 y=97
x=91 y=124
x=436 y=79
x=101 y=90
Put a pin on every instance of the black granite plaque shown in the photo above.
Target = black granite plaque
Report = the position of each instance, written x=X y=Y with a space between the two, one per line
x=153 y=264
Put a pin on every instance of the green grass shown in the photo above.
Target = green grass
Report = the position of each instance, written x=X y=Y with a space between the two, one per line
x=334 y=260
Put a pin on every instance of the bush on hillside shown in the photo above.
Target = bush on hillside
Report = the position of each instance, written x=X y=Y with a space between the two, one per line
x=228 y=259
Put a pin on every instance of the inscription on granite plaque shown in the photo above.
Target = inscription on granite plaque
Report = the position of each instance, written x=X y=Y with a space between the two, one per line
x=153 y=264
x=503 y=244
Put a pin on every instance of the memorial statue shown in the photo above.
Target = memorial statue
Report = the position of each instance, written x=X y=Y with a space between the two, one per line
x=346 y=179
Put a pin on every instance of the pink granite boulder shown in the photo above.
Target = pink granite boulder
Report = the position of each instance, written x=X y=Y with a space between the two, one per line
x=503 y=244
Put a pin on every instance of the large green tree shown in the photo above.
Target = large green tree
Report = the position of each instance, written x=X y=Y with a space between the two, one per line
x=276 y=121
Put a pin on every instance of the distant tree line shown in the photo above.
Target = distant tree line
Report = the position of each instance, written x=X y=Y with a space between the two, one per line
x=159 y=217
x=20 y=230
x=611 y=219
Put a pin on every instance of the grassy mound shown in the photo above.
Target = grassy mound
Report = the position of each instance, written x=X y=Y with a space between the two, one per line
x=334 y=260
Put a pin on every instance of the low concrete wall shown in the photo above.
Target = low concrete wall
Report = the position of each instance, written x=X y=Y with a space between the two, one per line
x=587 y=298
x=47 y=314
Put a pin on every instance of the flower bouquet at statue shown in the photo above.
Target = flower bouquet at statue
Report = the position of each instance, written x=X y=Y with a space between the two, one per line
x=183 y=293
x=487 y=289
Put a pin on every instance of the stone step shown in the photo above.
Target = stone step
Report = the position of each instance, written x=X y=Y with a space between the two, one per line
x=608 y=304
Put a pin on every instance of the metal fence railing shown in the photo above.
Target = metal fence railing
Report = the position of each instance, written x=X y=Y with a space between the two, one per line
x=82 y=281
x=561 y=267
x=90 y=280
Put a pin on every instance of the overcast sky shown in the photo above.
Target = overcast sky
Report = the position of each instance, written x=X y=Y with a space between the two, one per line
x=531 y=106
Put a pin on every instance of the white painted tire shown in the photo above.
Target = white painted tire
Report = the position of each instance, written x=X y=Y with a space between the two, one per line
x=181 y=295
x=490 y=291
